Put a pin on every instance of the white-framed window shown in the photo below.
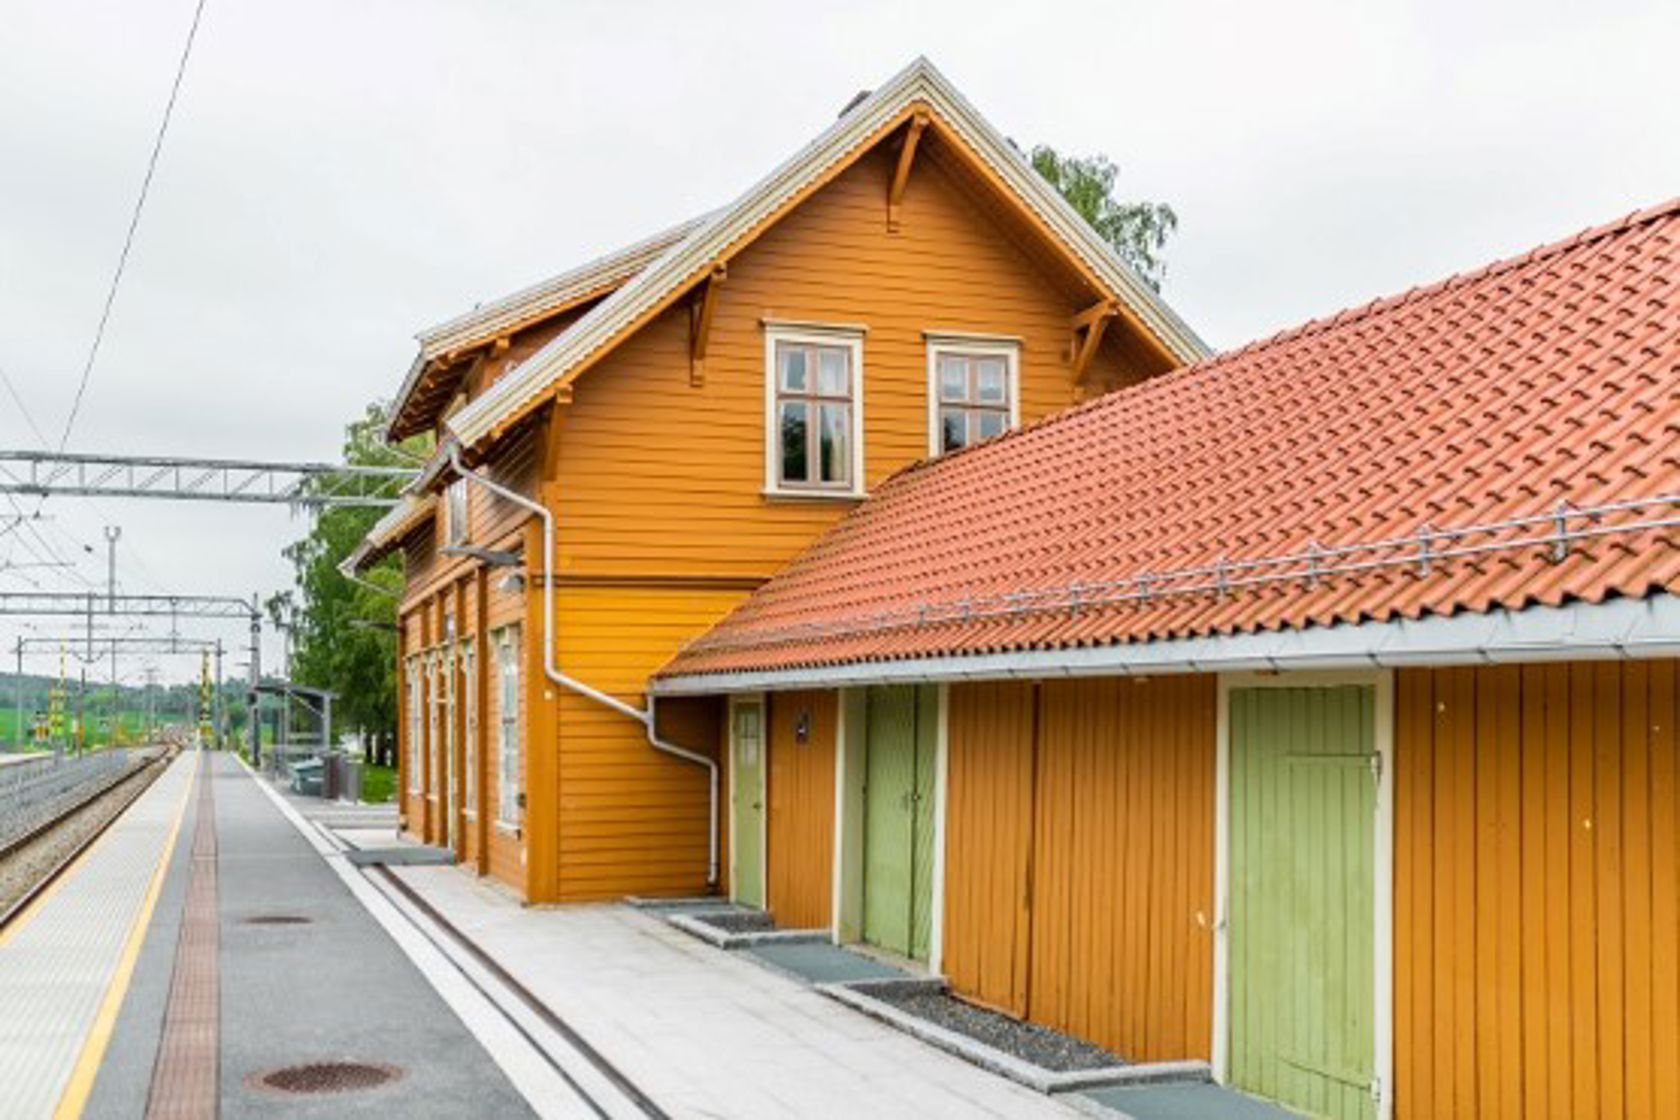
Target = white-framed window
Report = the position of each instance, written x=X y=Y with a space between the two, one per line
x=469 y=695
x=414 y=724
x=974 y=389
x=813 y=432
x=455 y=500
x=509 y=811
x=435 y=695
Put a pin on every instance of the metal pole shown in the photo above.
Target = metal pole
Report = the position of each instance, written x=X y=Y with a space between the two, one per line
x=216 y=701
x=18 y=732
x=81 y=707
x=113 y=533
x=256 y=679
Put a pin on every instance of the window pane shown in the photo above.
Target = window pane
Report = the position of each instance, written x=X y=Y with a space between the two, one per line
x=836 y=442
x=832 y=371
x=990 y=423
x=953 y=428
x=953 y=378
x=793 y=369
x=992 y=378
x=794 y=424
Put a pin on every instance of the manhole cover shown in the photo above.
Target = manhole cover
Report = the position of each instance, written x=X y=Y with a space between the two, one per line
x=277 y=920
x=324 y=1077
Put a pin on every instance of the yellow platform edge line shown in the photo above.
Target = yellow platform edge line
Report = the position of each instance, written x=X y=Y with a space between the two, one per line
x=80 y=1085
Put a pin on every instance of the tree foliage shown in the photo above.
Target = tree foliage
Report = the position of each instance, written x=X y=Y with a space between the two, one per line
x=343 y=634
x=1138 y=231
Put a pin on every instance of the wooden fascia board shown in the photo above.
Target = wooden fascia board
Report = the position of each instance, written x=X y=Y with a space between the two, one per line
x=478 y=347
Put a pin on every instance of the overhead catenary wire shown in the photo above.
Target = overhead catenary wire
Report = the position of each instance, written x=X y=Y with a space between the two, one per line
x=133 y=227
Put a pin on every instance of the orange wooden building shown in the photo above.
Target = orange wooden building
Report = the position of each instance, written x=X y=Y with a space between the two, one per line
x=1310 y=711
x=629 y=449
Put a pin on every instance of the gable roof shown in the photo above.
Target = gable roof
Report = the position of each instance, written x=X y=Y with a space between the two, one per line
x=524 y=308
x=917 y=86
x=1414 y=457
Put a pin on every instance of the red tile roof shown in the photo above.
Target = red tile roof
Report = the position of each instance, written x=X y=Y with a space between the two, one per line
x=1197 y=503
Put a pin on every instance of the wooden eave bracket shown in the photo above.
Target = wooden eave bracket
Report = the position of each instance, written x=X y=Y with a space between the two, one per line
x=1088 y=329
x=901 y=175
x=700 y=310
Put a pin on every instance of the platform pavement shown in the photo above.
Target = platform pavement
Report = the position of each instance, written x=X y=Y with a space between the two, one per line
x=63 y=960
x=334 y=989
x=706 y=1033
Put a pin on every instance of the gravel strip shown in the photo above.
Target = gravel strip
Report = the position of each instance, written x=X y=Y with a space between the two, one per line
x=26 y=866
x=1031 y=1043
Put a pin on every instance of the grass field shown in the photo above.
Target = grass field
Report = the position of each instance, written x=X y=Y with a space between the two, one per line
x=131 y=723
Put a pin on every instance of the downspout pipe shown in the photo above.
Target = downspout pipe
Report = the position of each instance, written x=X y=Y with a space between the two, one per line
x=551 y=666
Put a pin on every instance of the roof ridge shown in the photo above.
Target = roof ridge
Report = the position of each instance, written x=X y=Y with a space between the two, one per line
x=1356 y=312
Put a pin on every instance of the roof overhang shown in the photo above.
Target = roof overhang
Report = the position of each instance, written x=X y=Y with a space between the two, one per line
x=447 y=342
x=918 y=87
x=1617 y=629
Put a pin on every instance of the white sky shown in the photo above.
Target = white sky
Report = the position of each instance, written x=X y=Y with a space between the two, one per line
x=340 y=175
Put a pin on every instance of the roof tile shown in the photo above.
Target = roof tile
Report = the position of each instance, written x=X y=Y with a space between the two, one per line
x=1189 y=505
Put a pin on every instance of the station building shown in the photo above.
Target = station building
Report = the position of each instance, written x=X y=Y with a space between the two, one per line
x=880 y=551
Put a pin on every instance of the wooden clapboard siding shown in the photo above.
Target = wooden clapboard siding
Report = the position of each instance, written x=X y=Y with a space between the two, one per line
x=1537 y=885
x=657 y=475
x=656 y=482
x=631 y=819
x=1079 y=857
x=800 y=824
x=988 y=841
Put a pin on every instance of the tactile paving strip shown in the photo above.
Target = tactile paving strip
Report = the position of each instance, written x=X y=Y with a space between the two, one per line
x=185 y=1080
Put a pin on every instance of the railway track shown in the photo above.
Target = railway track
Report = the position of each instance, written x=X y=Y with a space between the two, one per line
x=41 y=844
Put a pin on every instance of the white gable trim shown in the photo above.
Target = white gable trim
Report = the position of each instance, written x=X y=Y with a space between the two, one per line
x=918 y=82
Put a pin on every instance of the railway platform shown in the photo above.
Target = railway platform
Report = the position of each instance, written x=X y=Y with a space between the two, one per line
x=227 y=950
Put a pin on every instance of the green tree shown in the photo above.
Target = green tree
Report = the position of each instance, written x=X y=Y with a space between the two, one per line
x=1138 y=231
x=344 y=634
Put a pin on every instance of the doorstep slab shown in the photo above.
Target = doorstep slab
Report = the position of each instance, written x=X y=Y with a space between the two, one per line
x=1204 y=1101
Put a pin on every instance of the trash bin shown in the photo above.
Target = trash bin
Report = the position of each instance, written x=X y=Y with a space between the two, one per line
x=332 y=775
x=351 y=789
x=306 y=777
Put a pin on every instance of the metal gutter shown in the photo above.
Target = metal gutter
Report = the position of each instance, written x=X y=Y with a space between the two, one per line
x=920 y=81
x=551 y=666
x=1617 y=629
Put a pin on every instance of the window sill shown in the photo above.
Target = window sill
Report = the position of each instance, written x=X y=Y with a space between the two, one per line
x=770 y=494
x=507 y=829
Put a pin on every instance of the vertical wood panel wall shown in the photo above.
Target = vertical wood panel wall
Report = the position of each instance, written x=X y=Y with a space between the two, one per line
x=1536 y=891
x=988 y=841
x=800 y=823
x=1097 y=810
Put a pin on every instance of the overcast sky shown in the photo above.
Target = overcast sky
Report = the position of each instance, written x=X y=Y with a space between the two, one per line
x=341 y=174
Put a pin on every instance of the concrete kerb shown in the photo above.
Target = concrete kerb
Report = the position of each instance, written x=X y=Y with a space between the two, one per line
x=1007 y=1065
x=726 y=939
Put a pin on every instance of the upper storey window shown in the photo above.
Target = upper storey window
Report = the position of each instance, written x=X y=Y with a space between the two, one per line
x=973 y=390
x=814 y=429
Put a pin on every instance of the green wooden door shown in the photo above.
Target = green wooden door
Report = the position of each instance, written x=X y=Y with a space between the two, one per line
x=899 y=761
x=1303 y=793
x=747 y=803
